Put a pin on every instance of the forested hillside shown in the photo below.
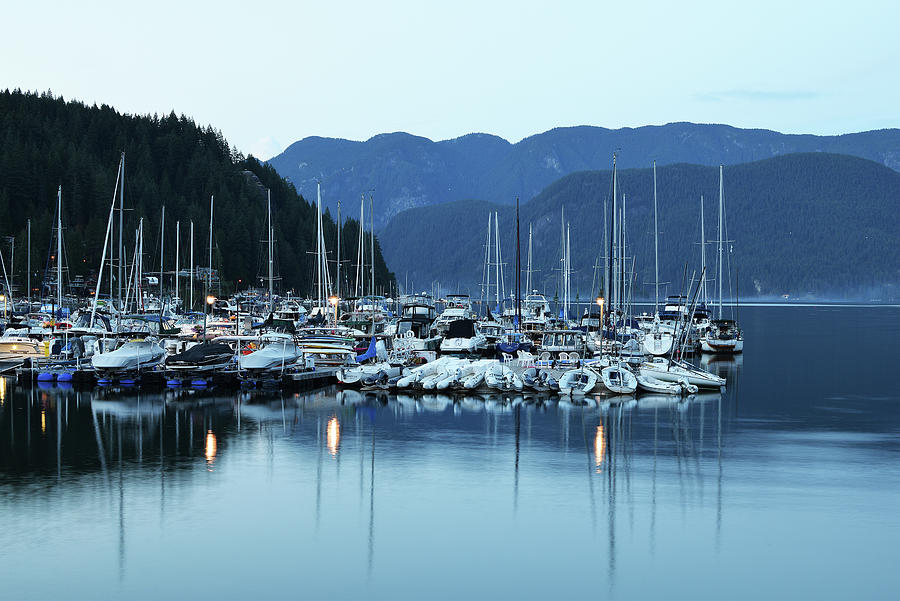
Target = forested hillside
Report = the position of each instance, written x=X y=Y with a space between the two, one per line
x=169 y=161
x=810 y=225
x=408 y=171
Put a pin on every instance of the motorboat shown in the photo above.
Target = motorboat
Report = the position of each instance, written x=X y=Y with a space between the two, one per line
x=463 y=337
x=278 y=353
x=134 y=355
x=205 y=356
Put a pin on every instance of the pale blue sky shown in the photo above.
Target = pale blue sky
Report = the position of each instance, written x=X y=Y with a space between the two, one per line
x=270 y=74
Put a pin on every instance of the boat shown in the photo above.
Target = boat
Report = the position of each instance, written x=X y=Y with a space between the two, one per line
x=134 y=355
x=675 y=371
x=724 y=335
x=648 y=383
x=578 y=381
x=464 y=337
x=619 y=379
x=205 y=356
x=500 y=377
x=279 y=352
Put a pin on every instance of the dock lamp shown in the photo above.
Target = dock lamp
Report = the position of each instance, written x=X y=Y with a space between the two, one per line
x=3 y=300
x=600 y=304
x=333 y=300
x=210 y=300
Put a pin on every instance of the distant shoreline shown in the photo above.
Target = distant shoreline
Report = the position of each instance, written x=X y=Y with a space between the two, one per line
x=793 y=304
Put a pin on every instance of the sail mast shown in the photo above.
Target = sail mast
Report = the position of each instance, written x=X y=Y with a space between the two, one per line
x=162 y=248
x=106 y=240
x=721 y=197
x=614 y=248
x=192 y=266
x=212 y=199
x=59 y=251
x=177 y=256
x=518 y=272
x=703 y=252
x=497 y=256
x=29 y=261
x=121 y=226
x=337 y=274
x=528 y=271
x=655 y=241
x=372 y=239
x=271 y=268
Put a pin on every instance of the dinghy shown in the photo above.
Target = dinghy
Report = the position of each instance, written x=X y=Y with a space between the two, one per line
x=578 y=381
x=618 y=379
x=662 y=369
x=655 y=385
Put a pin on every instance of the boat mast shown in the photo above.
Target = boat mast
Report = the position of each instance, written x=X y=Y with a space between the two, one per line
x=614 y=248
x=121 y=227
x=528 y=272
x=361 y=249
x=623 y=297
x=703 y=252
x=58 y=253
x=337 y=274
x=372 y=240
x=319 y=244
x=486 y=271
x=177 y=255
x=497 y=256
x=518 y=272
x=561 y=280
x=29 y=261
x=271 y=267
x=192 y=265
x=721 y=195
x=162 y=248
x=655 y=241
x=139 y=272
x=212 y=199
x=567 y=266
x=106 y=244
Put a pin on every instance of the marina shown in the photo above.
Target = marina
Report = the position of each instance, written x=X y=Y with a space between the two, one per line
x=342 y=486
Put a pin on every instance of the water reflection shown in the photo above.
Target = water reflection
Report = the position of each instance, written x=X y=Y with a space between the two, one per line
x=210 y=448
x=131 y=439
x=333 y=435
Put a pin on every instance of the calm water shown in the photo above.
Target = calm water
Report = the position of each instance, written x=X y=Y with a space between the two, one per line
x=785 y=486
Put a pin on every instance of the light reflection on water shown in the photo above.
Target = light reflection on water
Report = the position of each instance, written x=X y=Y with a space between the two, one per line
x=381 y=495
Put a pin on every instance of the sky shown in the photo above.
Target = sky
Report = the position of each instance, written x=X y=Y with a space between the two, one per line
x=269 y=74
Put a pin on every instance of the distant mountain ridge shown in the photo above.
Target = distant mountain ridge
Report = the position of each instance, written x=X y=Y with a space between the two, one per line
x=406 y=171
x=811 y=225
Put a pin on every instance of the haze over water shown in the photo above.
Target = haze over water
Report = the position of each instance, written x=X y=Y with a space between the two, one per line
x=784 y=486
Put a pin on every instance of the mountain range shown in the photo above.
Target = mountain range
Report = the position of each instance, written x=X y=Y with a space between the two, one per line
x=808 y=225
x=404 y=171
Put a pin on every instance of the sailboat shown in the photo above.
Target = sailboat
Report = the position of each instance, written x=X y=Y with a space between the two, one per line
x=724 y=336
x=657 y=340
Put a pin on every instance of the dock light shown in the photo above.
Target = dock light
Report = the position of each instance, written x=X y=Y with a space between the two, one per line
x=333 y=300
x=210 y=299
